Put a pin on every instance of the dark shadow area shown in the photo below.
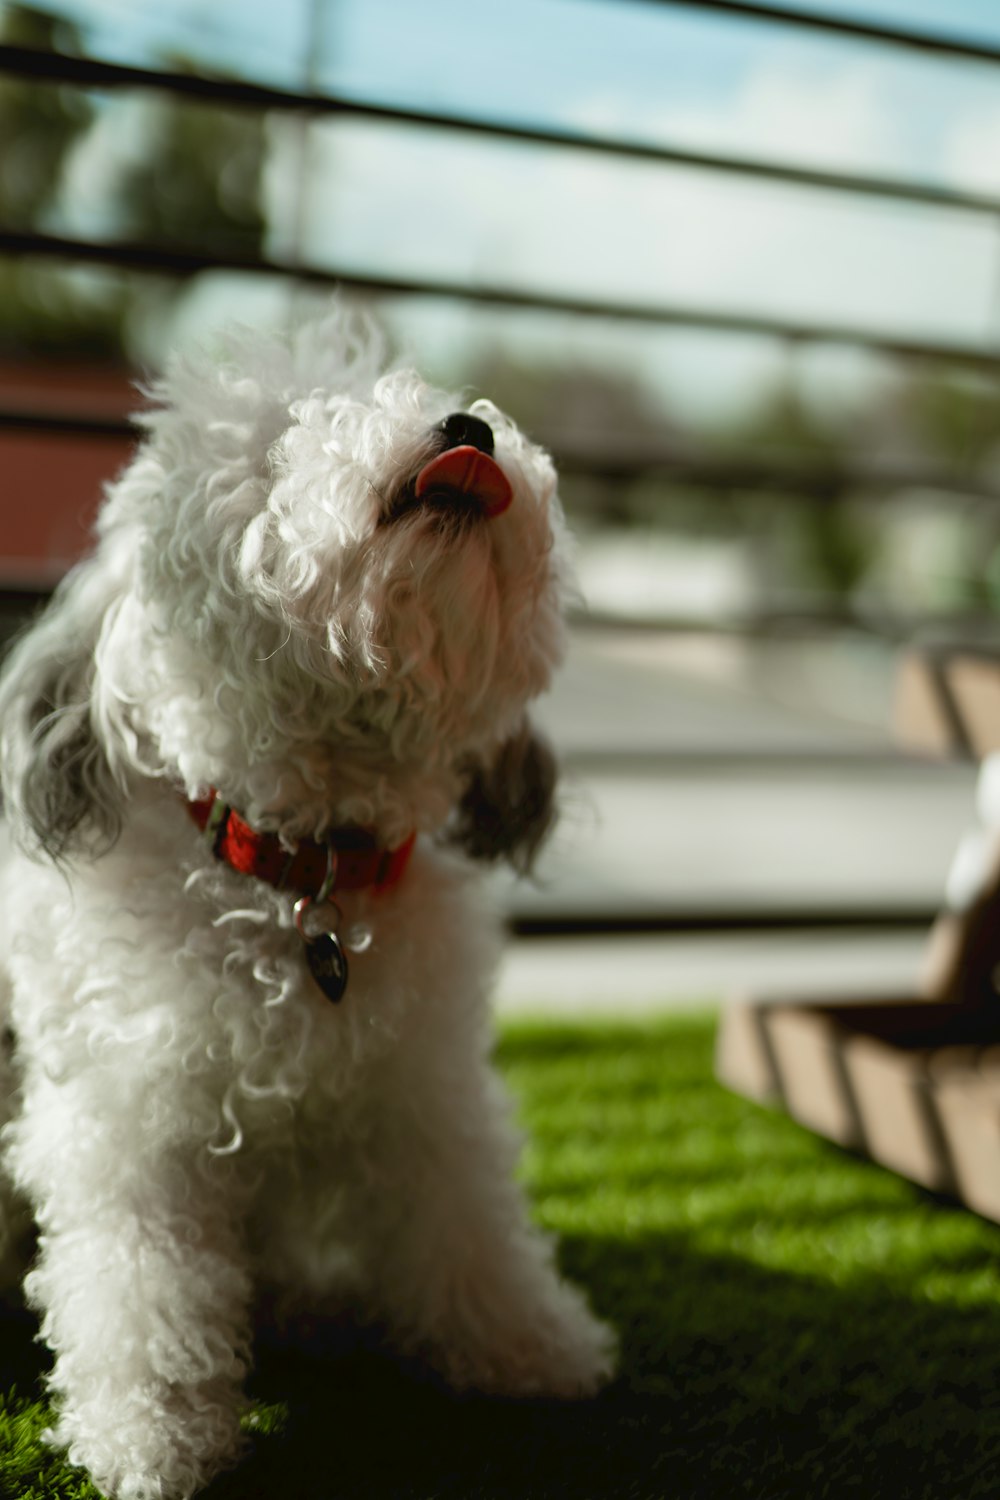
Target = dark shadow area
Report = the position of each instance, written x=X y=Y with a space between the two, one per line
x=23 y=1359
x=736 y=1382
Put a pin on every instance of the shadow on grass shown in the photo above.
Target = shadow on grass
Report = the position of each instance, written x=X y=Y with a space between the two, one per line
x=735 y=1382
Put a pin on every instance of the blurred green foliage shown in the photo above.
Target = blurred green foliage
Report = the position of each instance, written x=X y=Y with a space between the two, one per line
x=183 y=175
x=909 y=543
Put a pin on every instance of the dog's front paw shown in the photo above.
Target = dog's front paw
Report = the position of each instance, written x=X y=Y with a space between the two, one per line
x=560 y=1349
x=149 y=1445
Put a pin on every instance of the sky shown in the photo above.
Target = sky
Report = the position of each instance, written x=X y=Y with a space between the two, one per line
x=423 y=203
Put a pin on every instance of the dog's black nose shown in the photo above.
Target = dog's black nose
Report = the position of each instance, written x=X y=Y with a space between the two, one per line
x=461 y=430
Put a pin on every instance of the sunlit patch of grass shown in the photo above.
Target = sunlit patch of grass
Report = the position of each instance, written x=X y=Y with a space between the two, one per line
x=29 y=1469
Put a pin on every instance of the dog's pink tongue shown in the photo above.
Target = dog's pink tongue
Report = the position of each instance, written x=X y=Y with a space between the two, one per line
x=467 y=472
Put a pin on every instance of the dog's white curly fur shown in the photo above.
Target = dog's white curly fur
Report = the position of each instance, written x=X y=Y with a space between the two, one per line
x=196 y=1130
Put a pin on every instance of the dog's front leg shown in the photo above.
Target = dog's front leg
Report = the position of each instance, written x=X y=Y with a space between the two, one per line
x=463 y=1278
x=141 y=1290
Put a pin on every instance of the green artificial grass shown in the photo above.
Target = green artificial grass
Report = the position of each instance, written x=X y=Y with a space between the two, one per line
x=794 y=1321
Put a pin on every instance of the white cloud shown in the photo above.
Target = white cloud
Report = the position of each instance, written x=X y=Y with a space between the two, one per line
x=828 y=116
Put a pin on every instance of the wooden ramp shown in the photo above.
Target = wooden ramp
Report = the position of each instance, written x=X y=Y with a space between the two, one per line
x=912 y=1082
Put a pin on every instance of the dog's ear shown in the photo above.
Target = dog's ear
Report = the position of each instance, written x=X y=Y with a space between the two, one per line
x=509 y=804
x=59 y=792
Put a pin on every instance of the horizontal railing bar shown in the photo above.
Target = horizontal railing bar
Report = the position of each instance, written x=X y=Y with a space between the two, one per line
x=94 y=73
x=739 y=473
x=753 y=760
x=68 y=424
x=183 y=263
x=597 y=924
x=86 y=72
x=929 y=42
x=748 y=473
x=760 y=625
x=794 y=623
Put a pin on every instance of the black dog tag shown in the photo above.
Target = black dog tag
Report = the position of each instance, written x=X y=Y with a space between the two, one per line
x=328 y=964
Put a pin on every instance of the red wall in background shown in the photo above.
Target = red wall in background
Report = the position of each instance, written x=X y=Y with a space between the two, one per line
x=51 y=483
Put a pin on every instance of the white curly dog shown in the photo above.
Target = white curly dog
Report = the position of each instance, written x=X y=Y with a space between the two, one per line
x=249 y=753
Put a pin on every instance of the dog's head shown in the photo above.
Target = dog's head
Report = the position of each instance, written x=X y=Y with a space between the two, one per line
x=327 y=591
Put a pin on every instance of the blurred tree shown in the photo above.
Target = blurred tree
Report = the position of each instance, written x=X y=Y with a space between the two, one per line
x=37 y=125
x=43 y=309
x=194 y=183
x=820 y=540
x=957 y=416
x=199 y=184
x=818 y=544
x=581 y=410
x=581 y=401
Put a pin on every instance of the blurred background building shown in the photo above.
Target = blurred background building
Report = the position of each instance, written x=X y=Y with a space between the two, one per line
x=736 y=264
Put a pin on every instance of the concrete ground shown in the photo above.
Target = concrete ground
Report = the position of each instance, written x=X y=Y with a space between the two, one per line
x=723 y=776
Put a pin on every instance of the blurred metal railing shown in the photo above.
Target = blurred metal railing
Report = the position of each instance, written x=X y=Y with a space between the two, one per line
x=91 y=73
x=814 y=480
x=728 y=475
x=126 y=256
x=934 y=43
x=46 y=67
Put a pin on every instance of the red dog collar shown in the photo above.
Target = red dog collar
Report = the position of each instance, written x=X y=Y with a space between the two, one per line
x=351 y=855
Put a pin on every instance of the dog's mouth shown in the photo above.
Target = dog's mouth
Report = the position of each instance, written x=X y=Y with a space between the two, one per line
x=463 y=481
